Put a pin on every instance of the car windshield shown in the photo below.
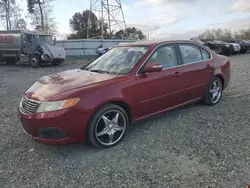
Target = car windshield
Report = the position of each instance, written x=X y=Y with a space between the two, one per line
x=119 y=60
x=41 y=39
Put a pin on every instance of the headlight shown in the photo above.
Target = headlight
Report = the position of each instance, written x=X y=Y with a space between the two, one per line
x=227 y=45
x=57 y=105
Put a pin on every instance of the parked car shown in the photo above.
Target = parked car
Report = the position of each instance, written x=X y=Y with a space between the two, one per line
x=219 y=48
x=244 y=44
x=216 y=48
x=236 y=47
x=130 y=82
x=37 y=47
x=209 y=45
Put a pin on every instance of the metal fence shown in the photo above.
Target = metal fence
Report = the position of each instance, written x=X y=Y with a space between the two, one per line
x=86 y=47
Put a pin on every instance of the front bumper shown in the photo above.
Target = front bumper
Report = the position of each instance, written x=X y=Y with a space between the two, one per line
x=48 y=58
x=237 y=48
x=58 y=127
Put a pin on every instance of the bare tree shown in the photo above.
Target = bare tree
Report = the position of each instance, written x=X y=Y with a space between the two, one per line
x=228 y=34
x=11 y=17
x=243 y=34
x=41 y=15
x=17 y=21
x=5 y=8
x=217 y=34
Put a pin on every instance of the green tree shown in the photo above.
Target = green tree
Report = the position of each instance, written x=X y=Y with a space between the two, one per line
x=130 y=33
x=79 y=26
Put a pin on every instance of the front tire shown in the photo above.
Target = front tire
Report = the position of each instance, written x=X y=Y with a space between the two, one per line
x=35 y=61
x=108 y=126
x=214 y=92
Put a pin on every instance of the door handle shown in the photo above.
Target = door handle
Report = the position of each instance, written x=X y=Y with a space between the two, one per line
x=177 y=74
x=208 y=66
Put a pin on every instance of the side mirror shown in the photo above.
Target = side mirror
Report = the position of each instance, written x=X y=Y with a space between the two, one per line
x=153 y=67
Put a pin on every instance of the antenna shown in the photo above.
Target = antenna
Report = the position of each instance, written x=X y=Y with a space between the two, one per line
x=108 y=12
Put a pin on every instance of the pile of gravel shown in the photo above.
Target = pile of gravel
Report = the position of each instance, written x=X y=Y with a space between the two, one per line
x=195 y=146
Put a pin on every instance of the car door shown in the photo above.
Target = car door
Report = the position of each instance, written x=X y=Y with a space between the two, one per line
x=28 y=46
x=197 y=71
x=155 y=92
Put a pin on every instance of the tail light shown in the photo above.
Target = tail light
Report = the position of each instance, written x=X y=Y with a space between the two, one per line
x=228 y=63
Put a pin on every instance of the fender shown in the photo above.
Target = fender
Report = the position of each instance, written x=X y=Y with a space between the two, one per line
x=36 y=53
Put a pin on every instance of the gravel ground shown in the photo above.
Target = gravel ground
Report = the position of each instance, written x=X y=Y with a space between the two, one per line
x=196 y=146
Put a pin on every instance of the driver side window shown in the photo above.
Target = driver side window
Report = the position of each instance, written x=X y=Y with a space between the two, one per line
x=29 y=39
x=165 y=55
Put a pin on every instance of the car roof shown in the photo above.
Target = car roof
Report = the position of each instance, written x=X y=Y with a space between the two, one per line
x=156 y=42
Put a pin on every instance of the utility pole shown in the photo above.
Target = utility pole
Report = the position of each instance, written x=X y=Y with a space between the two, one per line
x=108 y=12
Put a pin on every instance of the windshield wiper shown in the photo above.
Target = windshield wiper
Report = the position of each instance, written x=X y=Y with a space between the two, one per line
x=83 y=68
x=99 y=71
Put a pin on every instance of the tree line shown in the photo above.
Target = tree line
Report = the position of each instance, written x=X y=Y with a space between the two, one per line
x=225 y=34
x=40 y=14
x=80 y=22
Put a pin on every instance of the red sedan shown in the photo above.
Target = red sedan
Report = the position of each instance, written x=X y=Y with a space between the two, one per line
x=129 y=83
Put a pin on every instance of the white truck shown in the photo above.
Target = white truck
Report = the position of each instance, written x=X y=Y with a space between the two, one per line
x=38 y=47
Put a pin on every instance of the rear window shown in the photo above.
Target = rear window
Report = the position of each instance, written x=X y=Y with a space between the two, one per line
x=190 y=53
x=205 y=55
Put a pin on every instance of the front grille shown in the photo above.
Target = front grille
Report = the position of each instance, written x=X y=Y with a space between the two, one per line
x=29 y=106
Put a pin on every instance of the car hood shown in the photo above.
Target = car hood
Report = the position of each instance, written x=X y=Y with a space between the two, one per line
x=55 y=51
x=48 y=86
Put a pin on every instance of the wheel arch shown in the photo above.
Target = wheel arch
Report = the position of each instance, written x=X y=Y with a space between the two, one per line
x=220 y=76
x=36 y=53
x=124 y=105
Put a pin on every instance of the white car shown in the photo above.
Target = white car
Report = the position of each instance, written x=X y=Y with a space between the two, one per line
x=236 y=47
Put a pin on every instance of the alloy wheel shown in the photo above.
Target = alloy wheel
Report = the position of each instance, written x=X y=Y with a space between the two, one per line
x=215 y=91
x=110 y=127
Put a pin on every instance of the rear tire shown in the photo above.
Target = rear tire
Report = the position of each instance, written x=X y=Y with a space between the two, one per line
x=106 y=129
x=214 y=92
x=35 y=61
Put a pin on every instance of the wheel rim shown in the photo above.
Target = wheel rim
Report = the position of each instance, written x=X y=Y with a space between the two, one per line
x=33 y=61
x=110 y=127
x=215 y=91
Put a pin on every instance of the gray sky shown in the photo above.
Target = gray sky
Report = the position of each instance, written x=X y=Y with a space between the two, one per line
x=166 y=18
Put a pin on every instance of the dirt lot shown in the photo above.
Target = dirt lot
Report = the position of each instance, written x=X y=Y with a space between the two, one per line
x=196 y=146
